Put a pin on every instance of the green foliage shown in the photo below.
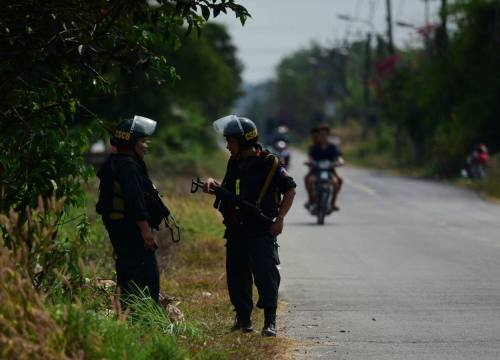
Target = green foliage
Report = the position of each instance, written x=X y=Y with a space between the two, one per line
x=198 y=216
x=27 y=331
x=306 y=81
x=490 y=185
x=147 y=314
x=49 y=259
x=59 y=53
x=209 y=72
x=209 y=79
x=446 y=100
x=100 y=336
x=60 y=58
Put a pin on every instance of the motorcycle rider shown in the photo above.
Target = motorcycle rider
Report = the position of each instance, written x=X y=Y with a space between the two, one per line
x=125 y=206
x=477 y=161
x=280 y=148
x=279 y=144
x=323 y=149
x=252 y=249
x=314 y=137
x=280 y=134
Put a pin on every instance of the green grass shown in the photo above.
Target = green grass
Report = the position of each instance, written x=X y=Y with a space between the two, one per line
x=376 y=153
x=100 y=336
x=488 y=187
x=197 y=277
x=193 y=272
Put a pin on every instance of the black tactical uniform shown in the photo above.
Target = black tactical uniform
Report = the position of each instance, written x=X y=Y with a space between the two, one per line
x=129 y=182
x=126 y=195
x=252 y=251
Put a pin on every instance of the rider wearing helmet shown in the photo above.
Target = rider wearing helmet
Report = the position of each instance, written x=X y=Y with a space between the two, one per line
x=125 y=204
x=252 y=249
x=323 y=149
x=482 y=154
x=279 y=143
x=477 y=162
x=280 y=134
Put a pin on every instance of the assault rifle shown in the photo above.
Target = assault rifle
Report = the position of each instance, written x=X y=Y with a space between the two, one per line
x=225 y=194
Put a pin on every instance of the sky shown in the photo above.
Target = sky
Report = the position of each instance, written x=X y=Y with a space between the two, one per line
x=279 y=27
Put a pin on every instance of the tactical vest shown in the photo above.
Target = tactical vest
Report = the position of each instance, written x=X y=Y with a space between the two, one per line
x=252 y=184
x=111 y=204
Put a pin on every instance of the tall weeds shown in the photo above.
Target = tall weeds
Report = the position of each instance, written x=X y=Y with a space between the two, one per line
x=49 y=260
x=27 y=331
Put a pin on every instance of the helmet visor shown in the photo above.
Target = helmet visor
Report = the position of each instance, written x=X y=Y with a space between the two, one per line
x=220 y=124
x=148 y=125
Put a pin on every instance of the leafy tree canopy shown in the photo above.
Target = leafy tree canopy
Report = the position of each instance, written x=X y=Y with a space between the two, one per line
x=55 y=55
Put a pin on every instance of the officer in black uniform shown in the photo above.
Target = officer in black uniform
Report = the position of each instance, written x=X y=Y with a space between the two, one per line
x=126 y=197
x=257 y=177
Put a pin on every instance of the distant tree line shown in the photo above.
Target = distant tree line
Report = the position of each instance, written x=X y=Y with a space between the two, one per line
x=446 y=98
x=427 y=106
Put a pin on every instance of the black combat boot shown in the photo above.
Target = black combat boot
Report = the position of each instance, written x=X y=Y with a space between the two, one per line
x=243 y=324
x=269 y=322
x=269 y=329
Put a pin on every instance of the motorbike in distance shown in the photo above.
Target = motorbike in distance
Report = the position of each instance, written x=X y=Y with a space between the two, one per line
x=477 y=163
x=323 y=173
x=280 y=149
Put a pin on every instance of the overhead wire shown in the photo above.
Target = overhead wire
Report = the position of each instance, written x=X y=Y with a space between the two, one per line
x=349 y=24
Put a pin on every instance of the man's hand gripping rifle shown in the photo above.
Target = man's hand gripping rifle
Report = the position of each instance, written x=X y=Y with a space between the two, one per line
x=223 y=193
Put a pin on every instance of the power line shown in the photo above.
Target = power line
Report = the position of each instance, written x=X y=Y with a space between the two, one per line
x=389 y=26
x=355 y=13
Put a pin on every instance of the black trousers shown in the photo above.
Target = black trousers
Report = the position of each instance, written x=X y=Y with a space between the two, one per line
x=135 y=277
x=252 y=258
x=136 y=268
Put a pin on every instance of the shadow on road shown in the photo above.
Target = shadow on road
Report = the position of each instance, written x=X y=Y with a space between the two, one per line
x=306 y=223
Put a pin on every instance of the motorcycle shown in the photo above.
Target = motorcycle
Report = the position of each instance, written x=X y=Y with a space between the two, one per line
x=280 y=149
x=322 y=171
x=476 y=164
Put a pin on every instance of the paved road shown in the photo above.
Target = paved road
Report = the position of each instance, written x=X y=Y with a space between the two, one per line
x=408 y=269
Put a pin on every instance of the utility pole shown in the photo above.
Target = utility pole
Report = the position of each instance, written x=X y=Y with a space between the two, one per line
x=397 y=135
x=442 y=34
x=389 y=27
x=426 y=26
x=366 y=85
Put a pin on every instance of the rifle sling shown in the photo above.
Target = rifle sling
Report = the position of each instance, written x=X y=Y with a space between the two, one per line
x=269 y=178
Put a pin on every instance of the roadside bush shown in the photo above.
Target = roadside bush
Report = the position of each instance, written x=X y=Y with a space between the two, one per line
x=103 y=336
x=382 y=142
x=50 y=260
x=27 y=331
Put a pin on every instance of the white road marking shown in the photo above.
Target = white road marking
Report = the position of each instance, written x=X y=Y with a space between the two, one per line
x=361 y=187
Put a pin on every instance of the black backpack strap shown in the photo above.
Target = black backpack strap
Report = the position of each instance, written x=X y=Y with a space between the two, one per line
x=269 y=178
x=117 y=203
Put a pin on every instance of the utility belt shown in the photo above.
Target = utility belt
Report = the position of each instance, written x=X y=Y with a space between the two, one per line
x=242 y=217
